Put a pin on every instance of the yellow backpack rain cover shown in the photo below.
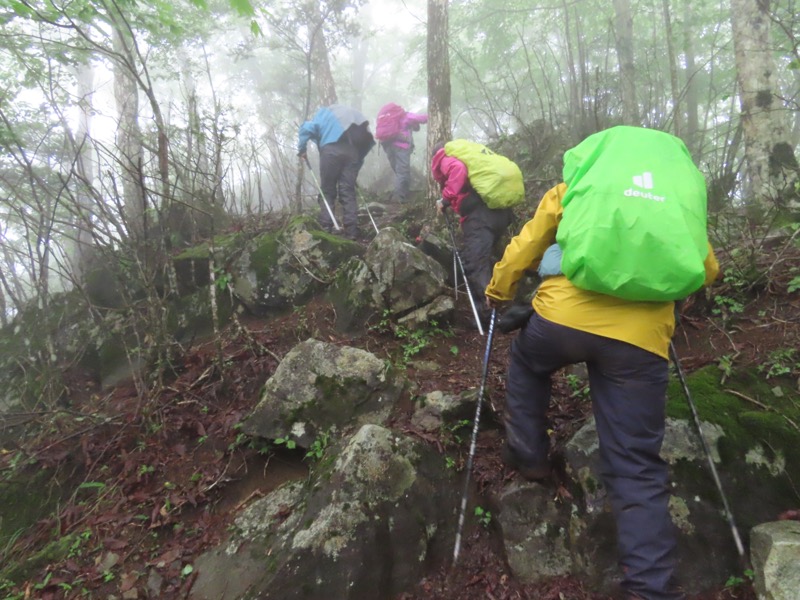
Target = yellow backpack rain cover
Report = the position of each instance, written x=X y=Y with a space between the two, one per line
x=497 y=179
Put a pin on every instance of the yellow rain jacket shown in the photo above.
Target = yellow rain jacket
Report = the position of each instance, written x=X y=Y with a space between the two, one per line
x=648 y=325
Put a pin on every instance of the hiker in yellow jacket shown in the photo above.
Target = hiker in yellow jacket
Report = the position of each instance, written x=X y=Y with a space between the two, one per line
x=625 y=345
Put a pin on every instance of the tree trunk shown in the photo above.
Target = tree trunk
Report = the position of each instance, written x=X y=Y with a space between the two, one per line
x=770 y=160
x=438 y=83
x=677 y=116
x=572 y=74
x=623 y=29
x=360 y=58
x=85 y=167
x=129 y=139
x=320 y=61
x=692 y=127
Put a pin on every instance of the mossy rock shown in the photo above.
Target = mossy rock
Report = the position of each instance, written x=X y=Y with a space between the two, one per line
x=191 y=265
x=760 y=448
x=281 y=270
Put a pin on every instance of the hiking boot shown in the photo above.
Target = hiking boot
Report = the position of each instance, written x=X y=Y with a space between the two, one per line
x=529 y=472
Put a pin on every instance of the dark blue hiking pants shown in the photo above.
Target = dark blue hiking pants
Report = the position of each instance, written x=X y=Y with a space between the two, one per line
x=628 y=391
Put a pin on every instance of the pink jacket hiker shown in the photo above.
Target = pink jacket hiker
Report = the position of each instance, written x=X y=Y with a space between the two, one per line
x=411 y=122
x=452 y=176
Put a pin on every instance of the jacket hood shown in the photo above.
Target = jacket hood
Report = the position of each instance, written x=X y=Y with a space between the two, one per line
x=436 y=163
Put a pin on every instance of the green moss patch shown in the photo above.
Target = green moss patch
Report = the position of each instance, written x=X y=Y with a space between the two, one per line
x=760 y=449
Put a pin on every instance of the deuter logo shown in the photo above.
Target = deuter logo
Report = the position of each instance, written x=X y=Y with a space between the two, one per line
x=644 y=181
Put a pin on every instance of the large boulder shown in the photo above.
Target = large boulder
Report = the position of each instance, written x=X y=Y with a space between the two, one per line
x=320 y=388
x=278 y=271
x=775 y=551
x=366 y=526
x=394 y=279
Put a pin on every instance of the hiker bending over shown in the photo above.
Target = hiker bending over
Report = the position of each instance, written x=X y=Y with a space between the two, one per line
x=481 y=226
x=393 y=129
x=619 y=191
x=344 y=139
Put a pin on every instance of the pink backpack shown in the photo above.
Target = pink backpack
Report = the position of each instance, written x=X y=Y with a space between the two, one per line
x=389 y=123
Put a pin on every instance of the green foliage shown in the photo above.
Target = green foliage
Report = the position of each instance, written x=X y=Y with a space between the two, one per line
x=285 y=441
x=484 y=516
x=726 y=307
x=417 y=340
x=577 y=385
x=222 y=278
x=318 y=446
x=725 y=364
x=794 y=284
x=78 y=546
x=735 y=580
x=7 y=589
x=453 y=433
x=780 y=362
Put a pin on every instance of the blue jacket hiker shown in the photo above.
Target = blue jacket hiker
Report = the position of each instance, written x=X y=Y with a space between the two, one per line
x=343 y=137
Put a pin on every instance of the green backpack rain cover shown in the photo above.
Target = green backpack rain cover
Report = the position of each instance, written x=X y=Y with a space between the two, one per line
x=497 y=179
x=634 y=222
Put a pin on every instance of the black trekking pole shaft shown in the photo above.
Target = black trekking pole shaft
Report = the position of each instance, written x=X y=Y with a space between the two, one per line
x=463 y=273
x=322 y=195
x=474 y=440
x=728 y=514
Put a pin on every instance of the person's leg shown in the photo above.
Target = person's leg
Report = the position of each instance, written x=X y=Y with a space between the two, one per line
x=390 y=148
x=402 y=170
x=628 y=387
x=476 y=253
x=540 y=348
x=347 y=191
x=331 y=164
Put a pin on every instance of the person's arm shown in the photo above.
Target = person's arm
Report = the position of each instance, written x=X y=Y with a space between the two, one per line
x=712 y=266
x=308 y=131
x=525 y=251
x=456 y=177
x=413 y=121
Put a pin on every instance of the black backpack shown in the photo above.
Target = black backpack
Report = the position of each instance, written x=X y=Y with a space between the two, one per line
x=359 y=135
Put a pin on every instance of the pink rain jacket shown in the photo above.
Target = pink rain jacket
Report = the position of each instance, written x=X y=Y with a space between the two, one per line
x=452 y=176
x=411 y=122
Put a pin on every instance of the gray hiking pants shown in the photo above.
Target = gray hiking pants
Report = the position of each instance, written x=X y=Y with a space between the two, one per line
x=339 y=164
x=482 y=229
x=400 y=161
x=628 y=390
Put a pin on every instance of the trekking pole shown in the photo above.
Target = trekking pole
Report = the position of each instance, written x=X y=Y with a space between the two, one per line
x=455 y=277
x=322 y=195
x=728 y=514
x=474 y=440
x=366 y=205
x=463 y=273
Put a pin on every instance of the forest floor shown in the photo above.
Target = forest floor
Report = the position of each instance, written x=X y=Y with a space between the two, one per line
x=162 y=480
